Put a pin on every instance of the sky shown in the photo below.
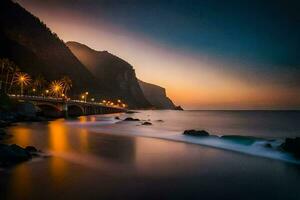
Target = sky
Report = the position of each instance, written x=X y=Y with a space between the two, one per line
x=234 y=54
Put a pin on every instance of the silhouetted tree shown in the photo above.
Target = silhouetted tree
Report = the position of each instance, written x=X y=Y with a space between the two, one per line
x=66 y=84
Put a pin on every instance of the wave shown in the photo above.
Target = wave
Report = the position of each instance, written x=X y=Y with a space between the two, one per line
x=262 y=147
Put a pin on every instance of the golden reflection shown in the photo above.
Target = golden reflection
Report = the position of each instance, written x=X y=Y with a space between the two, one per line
x=58 y=137
x=22 y=136
x=20 y=184
x=93 y=119
x=82 y=119
x=59 y=144
x=83 y=138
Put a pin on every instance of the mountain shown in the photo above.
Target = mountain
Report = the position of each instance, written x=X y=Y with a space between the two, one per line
x=156 y=95
x=36 y=50
x=116 y=77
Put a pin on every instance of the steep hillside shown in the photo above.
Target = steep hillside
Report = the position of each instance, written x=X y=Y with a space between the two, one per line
x=116 y=77
x=36 y=50
x=156 y=95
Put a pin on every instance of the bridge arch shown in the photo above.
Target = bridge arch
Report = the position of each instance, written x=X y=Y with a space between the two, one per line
x=75 y=110
x=49 y=109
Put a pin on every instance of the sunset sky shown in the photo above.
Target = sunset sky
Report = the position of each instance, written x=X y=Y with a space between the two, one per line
x=207 y=54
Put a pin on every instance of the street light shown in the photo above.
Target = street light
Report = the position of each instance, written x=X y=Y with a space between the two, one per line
x=47 y=92
x=23 y=79
x=86 y=93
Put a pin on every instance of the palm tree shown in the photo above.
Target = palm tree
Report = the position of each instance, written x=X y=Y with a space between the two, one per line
x=7 y=71
x=56 y=88
x=66 y=84
x=39 y=83
x=15 y=72
x=2 y=72
x=22 y=79
x=4 y=64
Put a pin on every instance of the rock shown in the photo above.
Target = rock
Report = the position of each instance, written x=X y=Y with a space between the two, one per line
x=178 y=108
x=292 y=145
x=131 y=119
x=196 y=132
x=31 y=149
x=146 y=123
x=118 y=118
x=26 y=110
x=268 y=145
x=160 y=120
x=130 y=112
x=12 y=154
x=4 y=124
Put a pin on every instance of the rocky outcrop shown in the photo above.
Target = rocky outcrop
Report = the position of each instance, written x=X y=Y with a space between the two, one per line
x=146 y=123
x=14 y=154
x=116 y=77
x=156 y=95
x=131 y=119
x=292 y=145
x=178 y=108
x=196 y=132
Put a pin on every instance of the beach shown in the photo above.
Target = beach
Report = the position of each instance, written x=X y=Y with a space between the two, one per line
x=92 y=158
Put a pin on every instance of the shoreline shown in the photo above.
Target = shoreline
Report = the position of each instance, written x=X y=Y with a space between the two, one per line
x=137 y=167
x=296 y=163
x=212 y=141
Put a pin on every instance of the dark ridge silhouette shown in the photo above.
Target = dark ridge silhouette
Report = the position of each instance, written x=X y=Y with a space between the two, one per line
x=36 y=50
x=30 y=44
x=116 y=77
x=156 y=95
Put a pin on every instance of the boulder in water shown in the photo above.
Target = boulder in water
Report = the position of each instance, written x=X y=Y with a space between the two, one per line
x=196 y=132
x=146 y=123
x=292 y=145
x=268 y=145
x=31 y=149
x=14 y=154
x=131 y=119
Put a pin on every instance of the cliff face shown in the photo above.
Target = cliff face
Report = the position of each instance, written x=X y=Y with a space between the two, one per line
x=36 y=50
x=116 y=77
x=156 y=95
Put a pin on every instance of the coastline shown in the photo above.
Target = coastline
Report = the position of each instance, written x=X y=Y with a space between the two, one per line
x=138 y=168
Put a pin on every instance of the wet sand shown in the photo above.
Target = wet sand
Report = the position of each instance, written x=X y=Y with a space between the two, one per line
x=88 y=165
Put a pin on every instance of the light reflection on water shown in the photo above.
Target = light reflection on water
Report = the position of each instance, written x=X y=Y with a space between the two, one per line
x=92 y=165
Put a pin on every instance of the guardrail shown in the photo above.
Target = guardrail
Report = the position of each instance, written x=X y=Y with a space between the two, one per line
x=59 y=100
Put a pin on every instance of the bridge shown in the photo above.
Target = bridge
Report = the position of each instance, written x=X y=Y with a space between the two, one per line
x=59 y=107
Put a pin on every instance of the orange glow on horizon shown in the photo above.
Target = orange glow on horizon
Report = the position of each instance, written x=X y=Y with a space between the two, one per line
x=207 y=85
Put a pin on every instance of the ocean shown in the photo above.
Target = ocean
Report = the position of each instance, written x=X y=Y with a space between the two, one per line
x=93 y=157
